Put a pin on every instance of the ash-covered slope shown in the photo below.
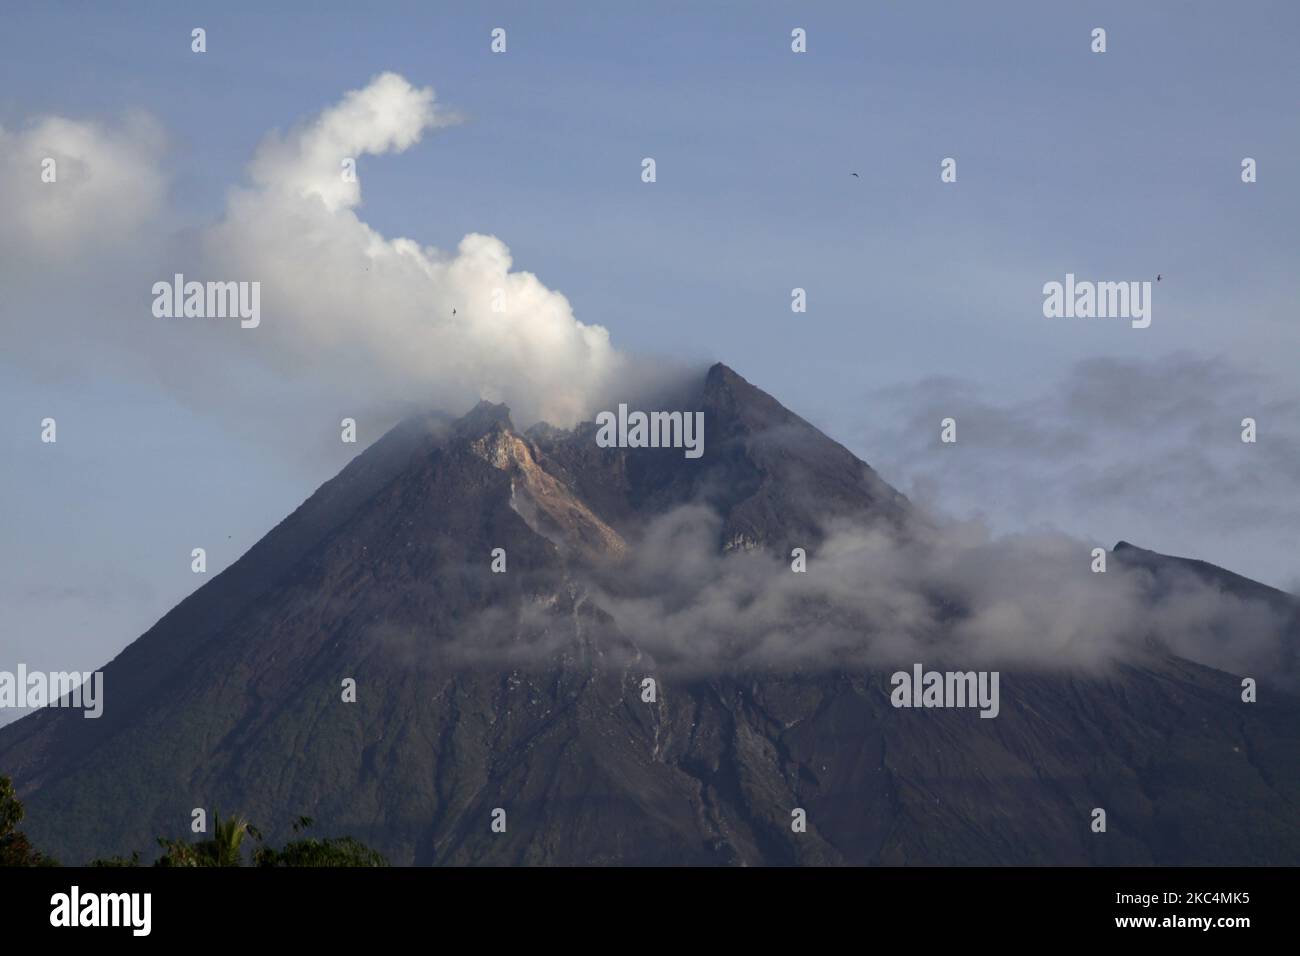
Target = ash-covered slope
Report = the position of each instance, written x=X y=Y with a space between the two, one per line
x=774 y=478
x=479 y=690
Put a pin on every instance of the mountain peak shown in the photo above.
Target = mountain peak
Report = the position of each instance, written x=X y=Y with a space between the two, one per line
x=736 y=404
x=720 y=374
x=482 y=417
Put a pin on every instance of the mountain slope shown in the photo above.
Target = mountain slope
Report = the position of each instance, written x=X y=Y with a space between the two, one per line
x=478 y=690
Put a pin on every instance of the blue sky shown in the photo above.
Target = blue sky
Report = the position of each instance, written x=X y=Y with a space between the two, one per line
x=1115 y=166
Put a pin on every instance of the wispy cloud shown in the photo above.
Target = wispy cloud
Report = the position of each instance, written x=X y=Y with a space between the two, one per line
x=1147 y=450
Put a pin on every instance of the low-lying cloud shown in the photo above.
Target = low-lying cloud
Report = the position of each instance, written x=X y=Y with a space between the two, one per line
x=952 y=593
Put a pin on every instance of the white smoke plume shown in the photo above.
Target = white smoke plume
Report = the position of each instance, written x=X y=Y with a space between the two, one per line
x=350 y=318
x=402 y=319
x=104 y=182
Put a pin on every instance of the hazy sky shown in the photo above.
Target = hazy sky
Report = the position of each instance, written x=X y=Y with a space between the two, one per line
x=924 y=299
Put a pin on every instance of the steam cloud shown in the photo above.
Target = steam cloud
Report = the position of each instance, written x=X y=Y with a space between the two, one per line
x=346 y=311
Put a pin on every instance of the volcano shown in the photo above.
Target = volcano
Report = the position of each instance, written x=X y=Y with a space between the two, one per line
x=472 y=582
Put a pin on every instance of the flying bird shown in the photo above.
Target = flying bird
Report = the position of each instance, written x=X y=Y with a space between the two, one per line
x=1157 y=276
x=453 y=311
x=855 y=175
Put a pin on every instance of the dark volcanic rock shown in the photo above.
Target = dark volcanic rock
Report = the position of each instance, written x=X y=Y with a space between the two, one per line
x=479 y=690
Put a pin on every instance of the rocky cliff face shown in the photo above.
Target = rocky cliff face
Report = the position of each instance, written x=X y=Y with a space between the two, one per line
x=521 y=691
